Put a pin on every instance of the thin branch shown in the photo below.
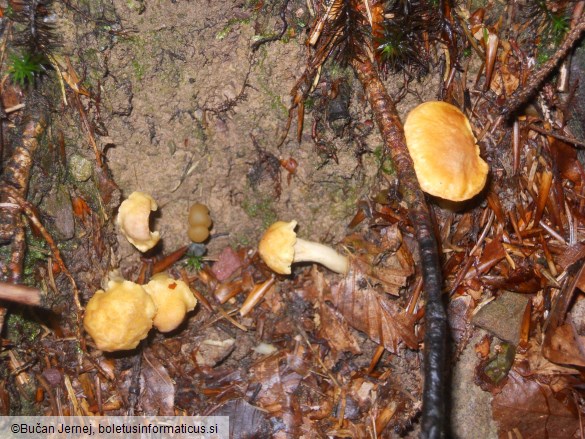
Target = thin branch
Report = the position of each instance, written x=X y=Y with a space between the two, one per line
x=277 y=37
x=522 y=95
x=20 y=294
x=566 y=139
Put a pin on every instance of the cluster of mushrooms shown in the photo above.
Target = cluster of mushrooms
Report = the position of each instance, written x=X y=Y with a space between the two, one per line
x=447 y=163
x=122 y=315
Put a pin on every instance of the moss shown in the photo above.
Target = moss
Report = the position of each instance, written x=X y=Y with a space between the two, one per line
x=259 y=207
x=231 y=24
x=138 y=69
x=241 y=240
x=37 y=252
x=384 y=162
x=21 y=330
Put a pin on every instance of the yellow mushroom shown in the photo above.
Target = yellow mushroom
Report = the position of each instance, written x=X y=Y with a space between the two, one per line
x=442 y=146
x=133 y=220
x=280 y=247
x=118 y=318
x=173 y=299
x=199 y=222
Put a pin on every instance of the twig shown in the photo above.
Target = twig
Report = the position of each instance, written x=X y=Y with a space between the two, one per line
x=32 y=216
x=522 y=95
x=282 y=14
x=566 y=139
x=20 y=294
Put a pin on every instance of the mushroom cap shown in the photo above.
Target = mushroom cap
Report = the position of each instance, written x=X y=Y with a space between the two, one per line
x=173 y=299
x=198 y=233
x=133 y=220
x=443 y=149
x=118 y=318
x=276 y=247
x=199 y=215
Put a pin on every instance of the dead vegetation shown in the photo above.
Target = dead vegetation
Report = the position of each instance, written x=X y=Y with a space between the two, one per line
x=316 y=354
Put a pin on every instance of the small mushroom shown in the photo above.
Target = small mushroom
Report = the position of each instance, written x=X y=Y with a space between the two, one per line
x=173 y=299
x=133 y=220
x=118 y=318
x=280 y=247
x=199 y=222
x=442 y=146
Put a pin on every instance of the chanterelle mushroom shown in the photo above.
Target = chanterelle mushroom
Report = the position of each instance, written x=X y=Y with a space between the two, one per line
x=443 y=149
x=118 y=318
x=173 y=298
x=133 y=220
x=280 y=247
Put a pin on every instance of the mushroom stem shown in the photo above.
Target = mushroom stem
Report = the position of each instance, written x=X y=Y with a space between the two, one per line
x=309 y=251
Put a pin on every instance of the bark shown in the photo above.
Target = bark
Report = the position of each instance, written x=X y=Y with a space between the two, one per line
x=392 y=132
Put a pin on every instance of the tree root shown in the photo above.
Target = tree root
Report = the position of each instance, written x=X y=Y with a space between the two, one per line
x=392 y=132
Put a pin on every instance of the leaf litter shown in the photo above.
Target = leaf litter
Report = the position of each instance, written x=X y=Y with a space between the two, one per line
x=320 y=355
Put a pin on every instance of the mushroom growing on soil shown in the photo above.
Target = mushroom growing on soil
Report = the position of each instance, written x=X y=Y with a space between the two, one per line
x=442 y=146
x=199 y=222
x=280 y=247
x=173 y=299
x=118 y=318
x=133 y=220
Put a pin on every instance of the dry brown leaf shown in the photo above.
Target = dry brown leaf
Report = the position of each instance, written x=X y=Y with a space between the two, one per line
x=371 y=312
x=562 y=344
x=534 y=410
x=246 y=421
x=335 y=330
x=158 y=396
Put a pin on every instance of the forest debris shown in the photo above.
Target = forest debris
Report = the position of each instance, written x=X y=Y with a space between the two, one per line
x=246 y=420
x=167 y=261
x=369 y=311
x=20 y=293
x=503 y=316
x=534 y=410
x=214 y=347
x=335 y=331
x=257 y=293
x=158 y=394
x=562 y=344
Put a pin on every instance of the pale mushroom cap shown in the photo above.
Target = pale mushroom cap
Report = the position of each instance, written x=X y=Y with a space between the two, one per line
x=133 y=220
x=442 y=146
x=118 y=318
x=276 y=247
x=173 y=299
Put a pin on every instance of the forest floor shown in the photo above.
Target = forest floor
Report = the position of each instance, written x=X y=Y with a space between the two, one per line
x=184 y=101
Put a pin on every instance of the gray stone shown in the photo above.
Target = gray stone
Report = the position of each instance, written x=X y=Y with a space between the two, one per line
x=503 y=316
x=80 y=168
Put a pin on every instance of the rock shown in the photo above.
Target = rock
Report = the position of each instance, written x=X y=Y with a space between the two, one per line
x=58 y=206
x=503 y=316
x=80 y=168
x=226 y=265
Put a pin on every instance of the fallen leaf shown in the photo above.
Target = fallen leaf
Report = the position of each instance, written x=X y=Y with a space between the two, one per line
x=246 y=421
x=371 y=312
x=336 y=331
x=534 y=410
x=158 y=396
